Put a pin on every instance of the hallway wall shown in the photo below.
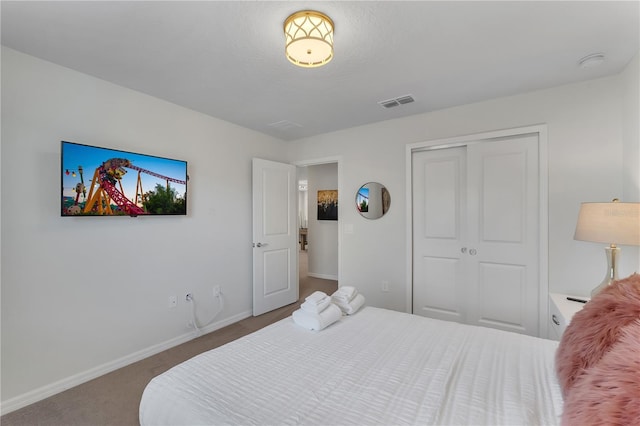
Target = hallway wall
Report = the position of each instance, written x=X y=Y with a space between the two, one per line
x=322 y=234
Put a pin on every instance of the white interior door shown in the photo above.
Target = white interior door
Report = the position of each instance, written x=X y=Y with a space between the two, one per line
x=439 y=232
x=275 y=235
x=475 y=235
x=503 y=233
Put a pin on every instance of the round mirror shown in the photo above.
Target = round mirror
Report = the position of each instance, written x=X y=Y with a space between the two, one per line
x=373 y=200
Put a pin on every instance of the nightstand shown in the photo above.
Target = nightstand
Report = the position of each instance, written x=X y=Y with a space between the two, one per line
x=561 y=311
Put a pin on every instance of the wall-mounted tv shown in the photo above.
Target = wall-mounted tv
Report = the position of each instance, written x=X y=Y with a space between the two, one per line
x=106 y=182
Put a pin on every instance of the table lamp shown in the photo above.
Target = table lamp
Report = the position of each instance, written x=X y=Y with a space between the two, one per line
x=611 y=223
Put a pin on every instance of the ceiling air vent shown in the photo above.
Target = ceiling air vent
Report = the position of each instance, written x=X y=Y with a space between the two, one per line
x=390 y=103
x=407 y=99
x=284 y=125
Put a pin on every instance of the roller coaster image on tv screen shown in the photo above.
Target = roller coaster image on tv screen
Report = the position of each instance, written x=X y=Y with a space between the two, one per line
x=105 y=182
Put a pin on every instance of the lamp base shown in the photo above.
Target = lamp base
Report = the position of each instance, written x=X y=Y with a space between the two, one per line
x=612 y=254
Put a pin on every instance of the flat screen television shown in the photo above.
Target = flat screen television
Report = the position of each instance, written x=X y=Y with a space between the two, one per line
x=106 y=182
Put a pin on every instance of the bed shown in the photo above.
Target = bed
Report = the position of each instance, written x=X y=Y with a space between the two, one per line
x=376 y=367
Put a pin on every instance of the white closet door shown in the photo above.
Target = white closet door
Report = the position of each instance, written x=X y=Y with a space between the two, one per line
x=503 y=233
x=475 y=234
x=439 y=198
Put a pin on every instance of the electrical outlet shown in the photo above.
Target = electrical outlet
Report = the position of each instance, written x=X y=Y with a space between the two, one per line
x=385 y=286
x=216 y=290
x=173 y=301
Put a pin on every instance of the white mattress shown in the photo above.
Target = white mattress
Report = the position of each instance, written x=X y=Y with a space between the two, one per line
x=377 y=367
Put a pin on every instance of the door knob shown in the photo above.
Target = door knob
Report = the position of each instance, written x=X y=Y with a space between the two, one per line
x=472 y=252
x=261 y=245
x=463 y=250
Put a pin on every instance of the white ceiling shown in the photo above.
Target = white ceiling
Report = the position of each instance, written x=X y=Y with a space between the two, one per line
x=226 y=58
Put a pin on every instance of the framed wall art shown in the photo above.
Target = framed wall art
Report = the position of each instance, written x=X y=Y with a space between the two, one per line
x=328 y=204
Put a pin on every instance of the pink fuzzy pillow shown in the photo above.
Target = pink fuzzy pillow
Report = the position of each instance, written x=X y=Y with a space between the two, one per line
x=609 y=392
x=595 y=328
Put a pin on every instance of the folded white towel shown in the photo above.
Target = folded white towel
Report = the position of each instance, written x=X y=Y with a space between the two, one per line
x=316 y=297
x=345 y=294
x=316 y=308
x=317 y=321
x=351 y=307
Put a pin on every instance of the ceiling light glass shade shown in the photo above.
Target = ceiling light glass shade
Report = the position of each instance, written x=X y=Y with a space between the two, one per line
x=309 y=38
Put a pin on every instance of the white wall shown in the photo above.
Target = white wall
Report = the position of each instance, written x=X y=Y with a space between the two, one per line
x=83 y=295
x=322 y=234
x=631 y=146
x=631 y=131
x=585 y=160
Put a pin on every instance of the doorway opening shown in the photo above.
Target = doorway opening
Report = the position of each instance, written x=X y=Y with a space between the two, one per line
x=318 y=238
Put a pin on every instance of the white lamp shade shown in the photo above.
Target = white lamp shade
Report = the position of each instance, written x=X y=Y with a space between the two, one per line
x=609 y=223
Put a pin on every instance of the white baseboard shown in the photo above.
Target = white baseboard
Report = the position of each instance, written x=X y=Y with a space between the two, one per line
x=323 y=276
x=51 y=389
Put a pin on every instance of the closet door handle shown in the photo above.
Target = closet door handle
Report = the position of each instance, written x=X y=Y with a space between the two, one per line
x=472 y=252
x=555 y=319
x=463 y=250
x=260 y=244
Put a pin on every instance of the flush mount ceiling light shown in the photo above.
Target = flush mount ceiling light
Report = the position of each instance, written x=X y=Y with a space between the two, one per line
x=309 y=38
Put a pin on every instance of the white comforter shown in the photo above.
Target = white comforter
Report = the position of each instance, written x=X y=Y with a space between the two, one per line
x=377 y=367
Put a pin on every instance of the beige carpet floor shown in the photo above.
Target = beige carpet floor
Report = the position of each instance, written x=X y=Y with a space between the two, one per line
x=113 y=399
